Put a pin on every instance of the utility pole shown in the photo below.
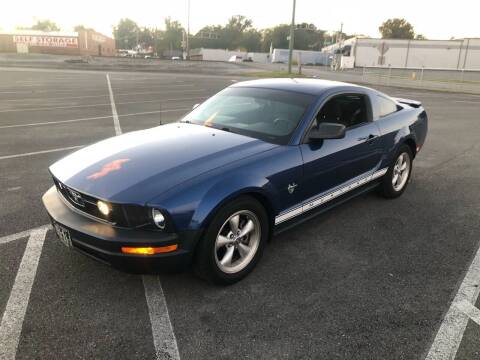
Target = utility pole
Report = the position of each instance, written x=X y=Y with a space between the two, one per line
x=188 y=30
x=292 y=36
x=340 y=35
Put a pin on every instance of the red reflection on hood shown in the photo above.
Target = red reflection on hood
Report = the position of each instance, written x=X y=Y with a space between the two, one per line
x=108 y=168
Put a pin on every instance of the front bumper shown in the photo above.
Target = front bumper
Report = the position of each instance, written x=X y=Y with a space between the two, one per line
x=103 y=241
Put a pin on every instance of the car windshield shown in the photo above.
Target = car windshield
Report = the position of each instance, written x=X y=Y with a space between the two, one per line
x=266 y=114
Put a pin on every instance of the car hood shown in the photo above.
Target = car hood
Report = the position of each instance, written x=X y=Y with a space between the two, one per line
x=137 y=166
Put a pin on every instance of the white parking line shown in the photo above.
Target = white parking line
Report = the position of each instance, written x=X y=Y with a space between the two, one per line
x=116 y=122
x=467 y=101
x=22 y=234
x=98 y=105
x=162 y=331
x=163 y=336
x=92 y=118
x=39 y=152
x=449 y=336
x=83 y=89
x=471 y=311
x=55 y=122
x=14 y=314
x=99 y=95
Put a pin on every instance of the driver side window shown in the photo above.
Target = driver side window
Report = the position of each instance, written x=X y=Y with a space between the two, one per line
x=346 y=109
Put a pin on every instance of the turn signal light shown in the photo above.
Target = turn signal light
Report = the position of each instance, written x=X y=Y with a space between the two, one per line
x=149 y=250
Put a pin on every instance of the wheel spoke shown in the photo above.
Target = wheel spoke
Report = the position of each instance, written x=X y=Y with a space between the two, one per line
x=234 y=223
x=399 y=180
x=400 y=159
x=227 y=258
x=243 y=249
x=222 y=241
x=249 y=226
x=404 y=166
x=394 y=179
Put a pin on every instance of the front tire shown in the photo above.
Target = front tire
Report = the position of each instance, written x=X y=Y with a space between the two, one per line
x=233 y=243
x=396 y=179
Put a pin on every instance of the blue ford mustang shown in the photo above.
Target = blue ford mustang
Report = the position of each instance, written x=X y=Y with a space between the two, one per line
x=253 y=160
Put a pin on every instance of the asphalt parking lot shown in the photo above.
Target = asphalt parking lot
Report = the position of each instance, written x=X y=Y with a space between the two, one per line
x=372 y=279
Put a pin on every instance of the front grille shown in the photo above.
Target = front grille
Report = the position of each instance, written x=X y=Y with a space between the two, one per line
x=88 y=205
x=126 y=215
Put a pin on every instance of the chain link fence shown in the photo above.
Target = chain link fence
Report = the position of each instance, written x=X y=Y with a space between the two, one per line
x=432 y=79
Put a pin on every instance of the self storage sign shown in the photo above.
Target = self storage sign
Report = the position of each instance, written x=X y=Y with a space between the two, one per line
x=47 y=41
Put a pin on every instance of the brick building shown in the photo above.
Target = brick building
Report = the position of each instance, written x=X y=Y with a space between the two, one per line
x=84 y=42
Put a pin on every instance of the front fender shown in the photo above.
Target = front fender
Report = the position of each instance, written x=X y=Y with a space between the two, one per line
x=229 y=188
x=190 y=205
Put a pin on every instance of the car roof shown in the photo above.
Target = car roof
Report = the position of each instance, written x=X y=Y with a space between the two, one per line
x=300 y=85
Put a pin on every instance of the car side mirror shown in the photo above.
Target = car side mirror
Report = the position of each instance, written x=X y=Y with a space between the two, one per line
x=327 y=131
x=195 y=106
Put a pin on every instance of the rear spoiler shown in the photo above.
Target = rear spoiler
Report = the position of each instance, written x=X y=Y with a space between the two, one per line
x=412 y=103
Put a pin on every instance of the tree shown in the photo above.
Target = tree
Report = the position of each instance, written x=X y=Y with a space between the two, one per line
x=396 y=29
x=126 y=34
x=231 y=35
x=146 y=37
x=277 y=36
x=238 y=33
x=173 y=34
x=42 y=25
x=81 y=27
x=251 y=40
x=239 y=23
x=207 y=37
x=308 y=37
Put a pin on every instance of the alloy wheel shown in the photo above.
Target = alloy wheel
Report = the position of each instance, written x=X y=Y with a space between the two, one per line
x=401 y=171
x=237 y=241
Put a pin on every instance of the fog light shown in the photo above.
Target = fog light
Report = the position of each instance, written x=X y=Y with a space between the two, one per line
x=148 y=250
x=103 y=207
x=158 y=218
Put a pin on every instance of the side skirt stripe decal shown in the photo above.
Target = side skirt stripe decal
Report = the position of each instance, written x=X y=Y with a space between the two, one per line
x=329 y=196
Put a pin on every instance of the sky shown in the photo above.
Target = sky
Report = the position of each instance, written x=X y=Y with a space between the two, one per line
x=434 y=19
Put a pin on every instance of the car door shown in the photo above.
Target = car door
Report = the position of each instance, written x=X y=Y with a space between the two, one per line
x=328 y=163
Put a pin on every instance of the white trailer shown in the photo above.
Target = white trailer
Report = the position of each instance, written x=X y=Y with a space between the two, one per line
x=399 y=53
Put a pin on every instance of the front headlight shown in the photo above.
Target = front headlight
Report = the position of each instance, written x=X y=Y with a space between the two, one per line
x=103 y=207
x=158 y=219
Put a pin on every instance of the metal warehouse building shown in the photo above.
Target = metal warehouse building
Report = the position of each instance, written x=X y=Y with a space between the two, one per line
x=434 y=54
x=85 y=42
x=303 y=56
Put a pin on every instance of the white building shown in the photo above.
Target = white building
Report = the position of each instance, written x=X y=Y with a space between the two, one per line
x=303 y=56
x=396 y=53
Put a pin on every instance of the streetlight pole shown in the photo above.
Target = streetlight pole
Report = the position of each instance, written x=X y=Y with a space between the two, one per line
x=188 y=30
x=292 y=35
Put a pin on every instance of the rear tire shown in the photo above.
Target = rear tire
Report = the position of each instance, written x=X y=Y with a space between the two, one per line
x=396 y=179
x=233 y=243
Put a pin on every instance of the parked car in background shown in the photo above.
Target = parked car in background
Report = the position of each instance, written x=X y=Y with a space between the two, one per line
x=251 y=161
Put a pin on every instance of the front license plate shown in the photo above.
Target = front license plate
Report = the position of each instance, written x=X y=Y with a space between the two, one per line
x=64 y=235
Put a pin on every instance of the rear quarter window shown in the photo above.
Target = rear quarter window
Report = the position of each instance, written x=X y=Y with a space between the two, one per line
x=386 y=106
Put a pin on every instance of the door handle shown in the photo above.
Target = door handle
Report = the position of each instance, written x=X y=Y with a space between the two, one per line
x=368 y=138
